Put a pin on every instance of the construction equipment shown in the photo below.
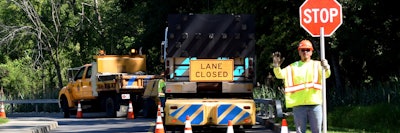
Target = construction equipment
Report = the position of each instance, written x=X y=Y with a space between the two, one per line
x=284 y=127
x=230 y=127
x=159 y=123
x=209 y=70
x=107 y=85
x=188 y=126
x=2 y=111
x=131 y=114
x=79 y=113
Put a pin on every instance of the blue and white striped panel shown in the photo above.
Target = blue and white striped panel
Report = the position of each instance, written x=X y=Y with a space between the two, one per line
x=226 y=112
x=133 y=79
x=194 y=111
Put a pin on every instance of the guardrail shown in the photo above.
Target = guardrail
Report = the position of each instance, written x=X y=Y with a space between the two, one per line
x=29 y=101
x=268 y=110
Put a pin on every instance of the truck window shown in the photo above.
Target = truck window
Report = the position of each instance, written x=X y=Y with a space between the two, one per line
x=89 y=72
x=79 y=74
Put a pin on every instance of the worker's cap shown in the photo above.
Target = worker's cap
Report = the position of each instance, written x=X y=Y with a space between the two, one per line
x=305 y=44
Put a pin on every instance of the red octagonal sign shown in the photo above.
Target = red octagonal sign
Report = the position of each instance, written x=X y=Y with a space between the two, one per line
x=315 y=14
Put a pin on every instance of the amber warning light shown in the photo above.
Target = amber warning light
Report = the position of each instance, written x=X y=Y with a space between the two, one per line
x=211 y=70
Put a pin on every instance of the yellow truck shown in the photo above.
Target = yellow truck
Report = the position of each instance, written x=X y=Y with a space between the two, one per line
x=106 y=85
x=209 y=71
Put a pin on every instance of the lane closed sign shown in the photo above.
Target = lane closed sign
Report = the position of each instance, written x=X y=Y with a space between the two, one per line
x=211 y=70
x=315 y=14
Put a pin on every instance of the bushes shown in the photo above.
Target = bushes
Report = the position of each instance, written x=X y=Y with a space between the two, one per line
x=372 y=118
x=372 y=107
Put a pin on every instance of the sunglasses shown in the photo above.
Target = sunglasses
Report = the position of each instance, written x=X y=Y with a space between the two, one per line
x=305 y=50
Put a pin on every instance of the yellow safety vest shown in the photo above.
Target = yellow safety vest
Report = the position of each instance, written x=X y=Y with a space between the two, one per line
x=302 y=83
x=161 y=85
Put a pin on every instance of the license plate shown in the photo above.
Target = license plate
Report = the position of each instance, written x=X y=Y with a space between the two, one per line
x=126 y=96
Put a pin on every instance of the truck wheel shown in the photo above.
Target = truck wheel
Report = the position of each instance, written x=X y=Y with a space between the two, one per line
x=174 y=129
x=110 y=108
x=149 y=108
x=247 y=126
x=64 y=107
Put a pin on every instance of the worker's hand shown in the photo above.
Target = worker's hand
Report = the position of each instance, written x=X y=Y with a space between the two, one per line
x=277 y=59
x=324 y=64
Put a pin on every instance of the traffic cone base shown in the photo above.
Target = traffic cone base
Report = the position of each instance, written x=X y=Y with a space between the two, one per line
x=2 y=111
x=130 y=114
x=188 y=126
x=159 y=123
x=230 y=127
x=79 y=110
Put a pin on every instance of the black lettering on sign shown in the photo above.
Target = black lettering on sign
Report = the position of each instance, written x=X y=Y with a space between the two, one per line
x=211 y=66
x=213 y=74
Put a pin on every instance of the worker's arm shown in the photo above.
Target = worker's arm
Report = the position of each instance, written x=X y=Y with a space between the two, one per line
x=326 y=67
x=279 y=73
x=277 y=61
x=327 y=73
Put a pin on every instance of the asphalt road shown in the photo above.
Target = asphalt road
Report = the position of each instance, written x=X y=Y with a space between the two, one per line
x=96 y=123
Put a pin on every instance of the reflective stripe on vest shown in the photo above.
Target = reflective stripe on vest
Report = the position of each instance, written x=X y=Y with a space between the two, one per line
x=289 y=77
x=293 y=88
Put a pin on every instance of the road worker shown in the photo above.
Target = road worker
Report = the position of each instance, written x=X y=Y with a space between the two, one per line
x=153 y=95
x=161 y=90
x=303 y=89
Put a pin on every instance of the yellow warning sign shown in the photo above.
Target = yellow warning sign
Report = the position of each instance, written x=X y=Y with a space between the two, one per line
x=211 y=70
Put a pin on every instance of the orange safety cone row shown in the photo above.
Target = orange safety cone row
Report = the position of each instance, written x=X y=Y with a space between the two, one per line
x=161 y=109
x=159 y=123
x=2 y=111
x=79 y=110
x=284 y=128
x=230 y=127
x=188 y=126
x=131 y=114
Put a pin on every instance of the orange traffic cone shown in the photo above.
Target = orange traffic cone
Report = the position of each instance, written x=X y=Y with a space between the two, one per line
x=159 y=123
x=131 y=114
x=161 y=109
x=284 y=128
x=230 y=127
x=2 y=111
x=79 y=110
x=188 y=126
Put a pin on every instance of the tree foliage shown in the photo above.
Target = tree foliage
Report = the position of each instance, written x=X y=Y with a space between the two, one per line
x=57 y=34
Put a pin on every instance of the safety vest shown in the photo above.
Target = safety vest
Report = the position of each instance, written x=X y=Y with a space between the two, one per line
x=303 y=84
x=161 y=85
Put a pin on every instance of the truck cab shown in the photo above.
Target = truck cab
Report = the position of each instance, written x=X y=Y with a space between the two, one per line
x=109 y=84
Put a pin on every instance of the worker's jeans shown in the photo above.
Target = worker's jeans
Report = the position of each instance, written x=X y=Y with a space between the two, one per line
x=162 y=100
x=311 y=113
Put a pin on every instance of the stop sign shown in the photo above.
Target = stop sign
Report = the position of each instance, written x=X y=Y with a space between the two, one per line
x=315 y=14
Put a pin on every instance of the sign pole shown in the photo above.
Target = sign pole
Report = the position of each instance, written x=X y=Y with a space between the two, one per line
x=324 y=107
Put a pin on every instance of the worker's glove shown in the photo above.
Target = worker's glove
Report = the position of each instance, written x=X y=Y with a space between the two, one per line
x=324 y=64
x=277 y=59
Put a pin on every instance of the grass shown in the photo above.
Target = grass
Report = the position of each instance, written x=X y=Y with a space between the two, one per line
x=3 y=120
x=382 y=118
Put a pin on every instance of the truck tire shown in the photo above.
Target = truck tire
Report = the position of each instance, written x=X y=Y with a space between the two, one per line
x=247 y=126
x=110 y=108
x=64 y=107
x=174 y=129
x=149 y=108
